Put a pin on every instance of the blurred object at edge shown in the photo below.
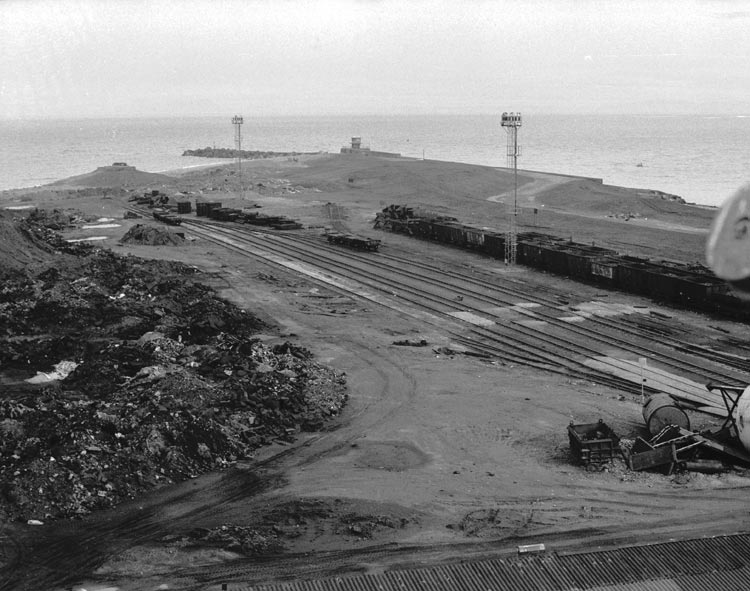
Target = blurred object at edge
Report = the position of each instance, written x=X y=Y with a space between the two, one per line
x=728 y=245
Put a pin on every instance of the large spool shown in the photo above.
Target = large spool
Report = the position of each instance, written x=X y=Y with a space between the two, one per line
x=742 y=418
x=661 y=410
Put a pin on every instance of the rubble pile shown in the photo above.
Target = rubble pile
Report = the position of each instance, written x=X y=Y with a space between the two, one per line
x=167 y=382
x=151 y=235
x=234 y=538
x=51 y=219
x=308 y=518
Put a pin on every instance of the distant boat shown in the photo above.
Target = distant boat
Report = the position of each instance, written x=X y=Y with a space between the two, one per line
x=640 y=165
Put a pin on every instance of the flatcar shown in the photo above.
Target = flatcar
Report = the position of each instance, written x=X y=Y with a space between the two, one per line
x=353 y=241
x=166 y=217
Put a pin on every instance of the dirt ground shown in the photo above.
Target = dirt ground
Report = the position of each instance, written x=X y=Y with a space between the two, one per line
x=433 y=450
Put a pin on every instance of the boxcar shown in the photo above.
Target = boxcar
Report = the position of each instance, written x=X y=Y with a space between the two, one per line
x=530 y=253
x=633 y=278
x=474 y=237
x=555 y=259
x=494 y=244
x=579 y=263
x=662 y=285
x=605 y=270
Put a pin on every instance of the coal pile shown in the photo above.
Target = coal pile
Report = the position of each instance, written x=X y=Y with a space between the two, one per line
x=168 y=381
x=150 y=235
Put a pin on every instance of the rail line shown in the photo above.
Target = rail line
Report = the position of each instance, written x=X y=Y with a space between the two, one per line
x=680 y=364
x=506 y=347
x=731 y=362
x=537 y=345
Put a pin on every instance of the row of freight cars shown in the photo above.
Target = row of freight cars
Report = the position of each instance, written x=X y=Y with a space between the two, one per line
x=215 y=211
x=693 y=286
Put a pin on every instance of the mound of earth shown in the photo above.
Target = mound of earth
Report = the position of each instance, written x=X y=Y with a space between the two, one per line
x=116 y=176
x=28 y=241
x=151 y=235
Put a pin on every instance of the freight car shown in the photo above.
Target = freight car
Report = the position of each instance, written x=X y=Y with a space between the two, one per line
x=167 y=217
x=694 y=286
x=353 y=241
x=231 y=214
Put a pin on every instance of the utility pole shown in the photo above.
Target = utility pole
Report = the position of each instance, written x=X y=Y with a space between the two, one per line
x=511 y=122
x=237 y=121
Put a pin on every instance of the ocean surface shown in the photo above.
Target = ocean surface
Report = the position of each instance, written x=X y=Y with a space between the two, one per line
x=702 y=159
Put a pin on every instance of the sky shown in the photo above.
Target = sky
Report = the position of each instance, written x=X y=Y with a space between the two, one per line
x=110 y=58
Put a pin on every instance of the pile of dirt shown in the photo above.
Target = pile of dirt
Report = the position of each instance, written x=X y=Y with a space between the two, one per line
x=168 y=382
x=299 y=519
x=151 y=235
x=29 y=239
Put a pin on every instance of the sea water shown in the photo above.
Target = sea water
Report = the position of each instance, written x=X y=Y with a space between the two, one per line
x=700 y=158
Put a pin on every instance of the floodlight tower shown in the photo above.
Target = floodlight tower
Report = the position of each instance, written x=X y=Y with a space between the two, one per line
x=237 y=121
x=511 y=122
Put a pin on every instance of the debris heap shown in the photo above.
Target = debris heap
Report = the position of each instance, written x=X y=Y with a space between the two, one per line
x=151 y=235
x=168 y=381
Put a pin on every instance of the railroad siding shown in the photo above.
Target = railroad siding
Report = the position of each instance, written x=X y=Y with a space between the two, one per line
x=688 y=284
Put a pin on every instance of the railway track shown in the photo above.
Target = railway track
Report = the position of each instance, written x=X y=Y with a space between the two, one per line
x=435 y=291
x=550 y=307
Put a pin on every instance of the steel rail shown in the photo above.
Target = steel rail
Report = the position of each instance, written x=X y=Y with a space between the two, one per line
x=573 y=348
x=730 y=362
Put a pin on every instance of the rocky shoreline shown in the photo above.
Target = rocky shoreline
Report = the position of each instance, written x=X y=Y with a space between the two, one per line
x=244 y=154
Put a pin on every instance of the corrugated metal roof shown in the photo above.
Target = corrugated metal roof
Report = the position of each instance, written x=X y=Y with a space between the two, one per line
x=705 y=564
x=666 y=585
x=734 y=580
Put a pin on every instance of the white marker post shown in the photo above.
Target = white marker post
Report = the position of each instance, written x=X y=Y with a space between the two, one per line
x=642 y=361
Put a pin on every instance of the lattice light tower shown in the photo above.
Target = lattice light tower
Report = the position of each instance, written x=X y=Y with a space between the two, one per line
x=237 y=121
x=511 y=122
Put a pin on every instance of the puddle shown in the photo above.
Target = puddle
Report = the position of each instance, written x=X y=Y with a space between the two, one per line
x=62 y=370
x=393 y=456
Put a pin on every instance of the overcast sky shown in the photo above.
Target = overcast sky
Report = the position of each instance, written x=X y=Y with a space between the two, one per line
x=66 y=58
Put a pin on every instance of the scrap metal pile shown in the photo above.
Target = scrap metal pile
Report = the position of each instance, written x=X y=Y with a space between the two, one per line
x=153 y=379
x=671 y=449
x=675 y=448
